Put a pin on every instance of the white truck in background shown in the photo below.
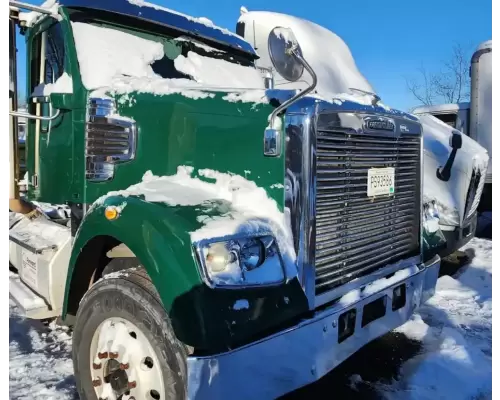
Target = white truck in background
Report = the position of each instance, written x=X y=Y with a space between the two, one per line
x=473 y=118
x=454 y=165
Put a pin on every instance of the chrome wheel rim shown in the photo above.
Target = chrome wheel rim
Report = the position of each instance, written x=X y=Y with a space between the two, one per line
x=124 y=364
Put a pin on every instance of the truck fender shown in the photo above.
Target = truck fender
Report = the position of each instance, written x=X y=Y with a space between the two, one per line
x=156 y=234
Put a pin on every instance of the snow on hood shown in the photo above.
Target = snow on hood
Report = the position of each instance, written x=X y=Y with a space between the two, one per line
x=251 y=210
x=213 y=72
x=107 y=65
x=437 y=141
x=326 y=52
x=450 y=196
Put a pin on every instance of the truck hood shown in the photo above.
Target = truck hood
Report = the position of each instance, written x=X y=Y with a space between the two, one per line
x=450 y=196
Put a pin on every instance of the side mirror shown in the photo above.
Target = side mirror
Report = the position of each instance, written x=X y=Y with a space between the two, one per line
x=287 y=59
x=456 y=141
x=61 y=101
x=283 y=50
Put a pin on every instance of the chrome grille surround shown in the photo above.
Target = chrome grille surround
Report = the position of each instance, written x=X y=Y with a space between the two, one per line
x=109 y=139
x=303 y=124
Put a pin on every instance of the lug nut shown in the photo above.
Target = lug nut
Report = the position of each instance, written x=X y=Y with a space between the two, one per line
x=124 y=366
x=102 y=355
x=96 y=366
x=96 y=382
x=132 y=385
x=113 y=355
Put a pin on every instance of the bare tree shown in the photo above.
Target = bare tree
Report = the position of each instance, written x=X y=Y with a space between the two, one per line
x=449 y=85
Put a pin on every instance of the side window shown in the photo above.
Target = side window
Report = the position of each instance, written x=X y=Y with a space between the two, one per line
x=46 y=66
x=54 y=53
x=47 y=57
x=450 y=119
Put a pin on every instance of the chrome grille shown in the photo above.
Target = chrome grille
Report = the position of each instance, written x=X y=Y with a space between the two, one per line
x=110 y=138
x=355 y=234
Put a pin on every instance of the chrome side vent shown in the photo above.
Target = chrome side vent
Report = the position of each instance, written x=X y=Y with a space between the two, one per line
x=109 y=139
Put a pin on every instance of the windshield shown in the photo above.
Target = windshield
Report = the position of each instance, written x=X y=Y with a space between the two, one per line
x=156 y=63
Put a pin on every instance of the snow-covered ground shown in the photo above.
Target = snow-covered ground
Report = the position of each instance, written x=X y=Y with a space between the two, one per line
x=454 y=361
x=40 y=365
x=455 y=327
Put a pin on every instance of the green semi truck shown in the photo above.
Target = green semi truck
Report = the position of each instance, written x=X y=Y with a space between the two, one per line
x=226 y=239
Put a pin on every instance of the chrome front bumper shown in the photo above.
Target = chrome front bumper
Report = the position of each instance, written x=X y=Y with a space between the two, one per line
x=304 y=353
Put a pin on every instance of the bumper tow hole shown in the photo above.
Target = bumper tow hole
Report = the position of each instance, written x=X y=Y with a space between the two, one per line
x=398 y=297
x=347 y=324
x=373 y=311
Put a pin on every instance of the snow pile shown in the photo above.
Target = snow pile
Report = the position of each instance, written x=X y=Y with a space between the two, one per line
x=250 y=209
x=213 y=72
x=40 y=365
x=32 y=17
x=64 y=84
x=455 y=327
x=103 y=56
x=109 y=67
x=376 y=286
x=326 y=52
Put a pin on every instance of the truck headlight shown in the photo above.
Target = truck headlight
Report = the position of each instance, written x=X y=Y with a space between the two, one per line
x=241 y=262
x=448 y=216
x=431 y=217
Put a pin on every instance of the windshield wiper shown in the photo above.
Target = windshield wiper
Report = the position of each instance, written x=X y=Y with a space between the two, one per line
x=376 y=98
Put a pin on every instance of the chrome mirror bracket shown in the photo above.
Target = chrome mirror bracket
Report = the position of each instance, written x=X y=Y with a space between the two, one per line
x=272 y=135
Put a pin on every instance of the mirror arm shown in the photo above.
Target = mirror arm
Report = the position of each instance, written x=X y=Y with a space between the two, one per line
x=445 y=173
x=298 y=95
x=31 y=116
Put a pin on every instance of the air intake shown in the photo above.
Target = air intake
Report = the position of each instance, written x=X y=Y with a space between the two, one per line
x=110 y=139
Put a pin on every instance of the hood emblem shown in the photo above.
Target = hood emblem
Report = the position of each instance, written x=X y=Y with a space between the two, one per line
x=379 y=124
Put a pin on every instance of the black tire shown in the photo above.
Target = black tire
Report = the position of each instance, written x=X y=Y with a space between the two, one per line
x=133 y=297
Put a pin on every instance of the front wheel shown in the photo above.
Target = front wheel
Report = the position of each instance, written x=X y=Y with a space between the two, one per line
x=124 y=347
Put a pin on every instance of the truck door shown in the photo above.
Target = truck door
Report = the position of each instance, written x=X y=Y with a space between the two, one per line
x=49 y=143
